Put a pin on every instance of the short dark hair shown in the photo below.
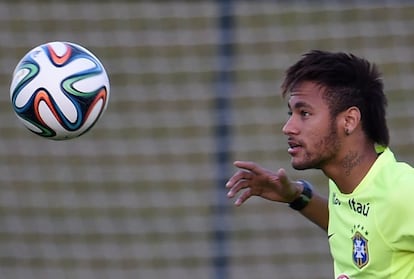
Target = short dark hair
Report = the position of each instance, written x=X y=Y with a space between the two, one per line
x=348 y=81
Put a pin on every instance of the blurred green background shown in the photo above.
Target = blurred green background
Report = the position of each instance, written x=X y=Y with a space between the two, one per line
x=138 y=195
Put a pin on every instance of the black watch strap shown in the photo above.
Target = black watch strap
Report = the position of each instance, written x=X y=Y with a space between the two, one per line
x=302 y=201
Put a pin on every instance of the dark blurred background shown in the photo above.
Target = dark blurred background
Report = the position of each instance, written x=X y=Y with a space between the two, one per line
x=195 y=85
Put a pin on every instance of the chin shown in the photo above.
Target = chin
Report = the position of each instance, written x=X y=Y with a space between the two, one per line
x=303 y=165
x=299 y=167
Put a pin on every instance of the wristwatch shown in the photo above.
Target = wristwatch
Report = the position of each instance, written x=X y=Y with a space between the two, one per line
x=302 y=201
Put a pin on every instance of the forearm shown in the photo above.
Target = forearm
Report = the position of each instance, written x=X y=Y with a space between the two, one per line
x=310 y=204
x=317 y=211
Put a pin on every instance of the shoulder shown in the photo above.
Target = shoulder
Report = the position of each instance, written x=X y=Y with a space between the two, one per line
x=399 y=178
x=396 y=188
x=394 y=183
x=394 y=174
x=397 y=207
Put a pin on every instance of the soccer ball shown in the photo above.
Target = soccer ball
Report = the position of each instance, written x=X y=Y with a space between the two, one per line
x=59 y=90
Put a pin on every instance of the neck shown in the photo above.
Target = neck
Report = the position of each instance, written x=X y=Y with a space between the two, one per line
x=351 y=168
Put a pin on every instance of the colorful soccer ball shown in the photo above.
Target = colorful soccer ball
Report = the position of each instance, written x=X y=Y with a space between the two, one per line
x=59 y=90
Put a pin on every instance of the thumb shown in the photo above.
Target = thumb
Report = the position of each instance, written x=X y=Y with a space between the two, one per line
x=289 y=190
x=281 y=173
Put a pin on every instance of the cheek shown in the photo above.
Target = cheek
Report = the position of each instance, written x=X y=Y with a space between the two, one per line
x=323 y=136
x=317 y=130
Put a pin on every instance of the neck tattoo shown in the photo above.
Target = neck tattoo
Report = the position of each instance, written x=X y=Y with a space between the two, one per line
x=350 y=161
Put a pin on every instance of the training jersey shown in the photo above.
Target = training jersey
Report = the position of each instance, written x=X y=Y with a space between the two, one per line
x=371 y=230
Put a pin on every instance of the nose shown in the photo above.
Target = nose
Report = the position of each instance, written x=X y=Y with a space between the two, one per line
x=289 y=127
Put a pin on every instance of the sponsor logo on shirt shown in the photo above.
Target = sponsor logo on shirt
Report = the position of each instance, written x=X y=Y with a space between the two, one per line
x=335 y=199
x=360 y=208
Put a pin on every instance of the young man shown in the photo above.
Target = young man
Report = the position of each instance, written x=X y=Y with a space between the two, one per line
x=337 y=124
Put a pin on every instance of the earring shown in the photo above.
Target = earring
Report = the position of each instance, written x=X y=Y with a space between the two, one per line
x=347 y=132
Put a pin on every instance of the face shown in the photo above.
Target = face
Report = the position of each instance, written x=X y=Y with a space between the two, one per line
x=312 y=133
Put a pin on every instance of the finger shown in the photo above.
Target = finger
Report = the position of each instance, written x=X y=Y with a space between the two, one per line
x=288 y=189
x=243 y=197
x=241 y=184
x=250 y=166
x=239 y=175
x=281 y=173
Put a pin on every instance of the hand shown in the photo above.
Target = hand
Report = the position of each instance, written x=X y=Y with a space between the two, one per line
x=258 y=181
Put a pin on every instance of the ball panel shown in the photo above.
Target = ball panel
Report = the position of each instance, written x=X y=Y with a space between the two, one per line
x=23 y=75
x=59 y=53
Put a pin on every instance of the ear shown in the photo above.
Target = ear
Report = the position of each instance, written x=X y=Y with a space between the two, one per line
x=351 y=119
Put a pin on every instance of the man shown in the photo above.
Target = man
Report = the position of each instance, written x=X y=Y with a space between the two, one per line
x=337 y=124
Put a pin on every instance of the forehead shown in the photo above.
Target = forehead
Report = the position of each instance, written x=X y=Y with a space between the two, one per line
x=309 y=93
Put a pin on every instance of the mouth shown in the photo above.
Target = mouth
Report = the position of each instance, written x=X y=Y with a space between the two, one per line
x=294 y=147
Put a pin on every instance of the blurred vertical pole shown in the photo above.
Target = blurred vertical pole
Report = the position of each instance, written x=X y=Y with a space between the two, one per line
x=223 y=133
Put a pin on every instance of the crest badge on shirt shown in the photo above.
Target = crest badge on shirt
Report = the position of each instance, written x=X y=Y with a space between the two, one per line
x=360 y=253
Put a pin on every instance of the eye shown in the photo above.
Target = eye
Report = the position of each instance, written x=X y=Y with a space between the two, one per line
x=305 y=113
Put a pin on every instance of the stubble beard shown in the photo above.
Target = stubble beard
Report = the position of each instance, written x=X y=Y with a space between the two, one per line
x=322 y=152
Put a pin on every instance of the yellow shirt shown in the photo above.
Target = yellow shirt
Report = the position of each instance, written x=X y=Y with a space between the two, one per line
x=371 y=230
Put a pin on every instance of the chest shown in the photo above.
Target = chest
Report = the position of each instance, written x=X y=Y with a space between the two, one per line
x=355 y=234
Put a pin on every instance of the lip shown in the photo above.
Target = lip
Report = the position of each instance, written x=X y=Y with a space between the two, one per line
x=294 y=147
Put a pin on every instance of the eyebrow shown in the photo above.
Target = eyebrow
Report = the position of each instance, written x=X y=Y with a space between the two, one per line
x=299 y=105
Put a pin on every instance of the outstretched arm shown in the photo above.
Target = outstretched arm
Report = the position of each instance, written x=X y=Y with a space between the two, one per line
x=253 y=180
